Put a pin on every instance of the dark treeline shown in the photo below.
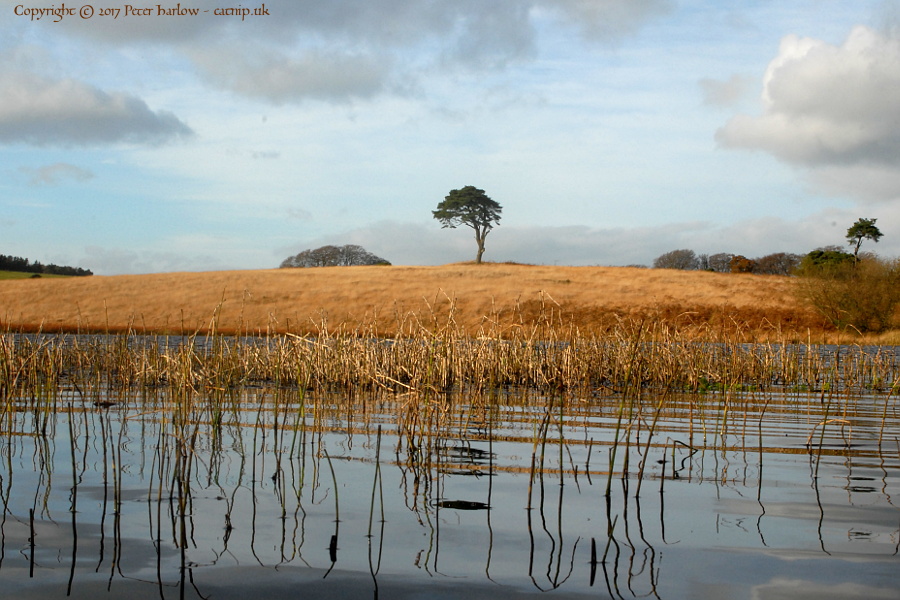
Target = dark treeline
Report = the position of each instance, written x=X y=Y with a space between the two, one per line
x=23 y=265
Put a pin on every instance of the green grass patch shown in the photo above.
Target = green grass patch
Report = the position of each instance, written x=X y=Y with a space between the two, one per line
x=23 y=275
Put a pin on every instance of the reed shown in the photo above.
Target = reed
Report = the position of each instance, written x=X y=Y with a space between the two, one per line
x=436 y=357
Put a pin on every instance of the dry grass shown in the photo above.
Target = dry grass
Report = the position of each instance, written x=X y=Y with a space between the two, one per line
x=385 y=301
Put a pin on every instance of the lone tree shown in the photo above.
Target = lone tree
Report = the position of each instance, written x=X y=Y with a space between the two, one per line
x=470 y=207
x=863 y=229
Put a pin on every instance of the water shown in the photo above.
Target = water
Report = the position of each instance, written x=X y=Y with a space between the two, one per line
x=273 y=493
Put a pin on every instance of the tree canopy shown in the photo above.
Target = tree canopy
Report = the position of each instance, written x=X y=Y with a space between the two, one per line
x=825 y=258
x=471 y=207
x=863 y=229
x=684 y=259
x=333 y=256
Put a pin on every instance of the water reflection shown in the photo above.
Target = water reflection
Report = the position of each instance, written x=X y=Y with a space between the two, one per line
x=166 y=492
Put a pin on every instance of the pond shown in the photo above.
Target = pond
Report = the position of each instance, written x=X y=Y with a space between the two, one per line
x=278 y=492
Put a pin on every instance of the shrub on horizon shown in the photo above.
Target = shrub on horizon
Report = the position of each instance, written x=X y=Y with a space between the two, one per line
x=857 y=293
x=349 y=255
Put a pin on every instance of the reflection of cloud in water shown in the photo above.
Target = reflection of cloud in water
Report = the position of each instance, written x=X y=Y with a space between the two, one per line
x=239 y=583
x=802 y=589
x=793 y=510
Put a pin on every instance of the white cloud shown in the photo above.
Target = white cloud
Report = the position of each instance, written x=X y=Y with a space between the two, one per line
x=866 y=183
x=56 y=173
x=608 y=20
x=273 y=77
x=117 y=261
x=724 y=93
x=299 y=214
x=356 y=49
x=40 y=112
x=827 y=105
x=804 y=589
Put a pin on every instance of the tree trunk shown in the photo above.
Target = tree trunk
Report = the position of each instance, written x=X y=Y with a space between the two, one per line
x=479 y=239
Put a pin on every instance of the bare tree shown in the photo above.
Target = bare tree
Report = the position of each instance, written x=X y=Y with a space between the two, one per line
x=677 y=259
x=720 y=262
x=780 y=263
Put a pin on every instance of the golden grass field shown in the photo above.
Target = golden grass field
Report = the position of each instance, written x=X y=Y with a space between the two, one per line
x=485 y=299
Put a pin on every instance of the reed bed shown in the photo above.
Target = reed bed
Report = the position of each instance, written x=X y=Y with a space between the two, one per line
x=626 y=360
x=437 y=380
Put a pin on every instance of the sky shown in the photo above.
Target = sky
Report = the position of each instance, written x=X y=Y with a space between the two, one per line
x=610 y=131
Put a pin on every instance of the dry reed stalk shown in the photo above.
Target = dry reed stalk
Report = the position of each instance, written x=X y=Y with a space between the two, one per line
x=628 y=359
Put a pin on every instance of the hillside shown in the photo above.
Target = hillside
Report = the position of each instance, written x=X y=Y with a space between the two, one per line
x=485 y=300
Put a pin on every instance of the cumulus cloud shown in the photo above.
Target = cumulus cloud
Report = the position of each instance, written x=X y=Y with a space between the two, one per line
x=356 y=49
x=608 y=20
x=827 y=105
x=118 y=261
x=332 y=51
x=39 y=111
x=724 y=93
x=278 y=79
x=384 y=22
x=55 y=174
x=805 y=589
x=867 y=183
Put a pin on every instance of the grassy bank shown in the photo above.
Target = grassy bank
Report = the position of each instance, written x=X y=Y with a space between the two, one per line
x=485 y=300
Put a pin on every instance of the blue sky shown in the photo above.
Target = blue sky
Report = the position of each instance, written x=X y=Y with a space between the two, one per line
x=611 y=131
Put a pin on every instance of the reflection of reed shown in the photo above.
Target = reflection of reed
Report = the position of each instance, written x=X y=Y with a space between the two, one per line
x=622 y=561
x=815 y=486
x=555 y=577
x=73 y=509
x=759 y=485
x=490 y=545
x=333 y=544
x=377 y=489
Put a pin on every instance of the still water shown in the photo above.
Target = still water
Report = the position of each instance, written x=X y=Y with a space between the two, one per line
x=281 y=494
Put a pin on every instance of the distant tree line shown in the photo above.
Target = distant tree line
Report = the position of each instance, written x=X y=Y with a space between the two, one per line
x=857 y=291
x=779 y=263
x=333 y=256
x=23 y=265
